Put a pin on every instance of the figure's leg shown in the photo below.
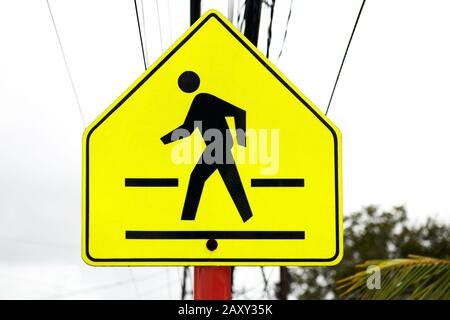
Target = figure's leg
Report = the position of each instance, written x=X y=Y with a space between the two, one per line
x=230 y=176
x=197 y=180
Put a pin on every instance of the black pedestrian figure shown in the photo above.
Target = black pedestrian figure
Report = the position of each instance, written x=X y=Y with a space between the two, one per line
x=209 y=112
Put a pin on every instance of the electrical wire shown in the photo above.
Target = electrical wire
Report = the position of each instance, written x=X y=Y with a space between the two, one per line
x=157 y=291
x=140 y=34
x=269 y=29
x=101 y=287
x=160 y=29
x=144 y=30
x=286 y=29
x=240 y=18
x=230 y=10
x=33 y=242
x=169 y=292
x=66 y=64
x=170 y=21
x=266 y=282
x=345 y=55
x=191 y=280
x=136 y=289
x=179 y=276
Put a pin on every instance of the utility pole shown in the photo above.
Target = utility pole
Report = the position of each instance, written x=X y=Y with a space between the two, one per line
x=183 y=284
x=252 y=16
x=283 y=286
x=196 y=6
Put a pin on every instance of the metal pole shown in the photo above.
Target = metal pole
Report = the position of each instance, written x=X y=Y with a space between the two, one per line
x=252 y=16
x=195 y=10
x=284 y=284
x=212 y=283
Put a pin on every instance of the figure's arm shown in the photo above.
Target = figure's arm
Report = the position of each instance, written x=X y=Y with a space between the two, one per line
x=183 y=131
x=240 y=123
x=239 y=120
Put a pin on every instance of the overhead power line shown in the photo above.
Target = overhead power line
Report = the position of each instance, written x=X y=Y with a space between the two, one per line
x=230 y=10
x=269 y=29
x=140 y=34
x=160 y=28
x=286 y=30
x=101 y=287
x=170 y=21
x=136 y=289
x=240 y=17
x=345 y=55
x=66 y=64
x=144 y=30
x=266 y=282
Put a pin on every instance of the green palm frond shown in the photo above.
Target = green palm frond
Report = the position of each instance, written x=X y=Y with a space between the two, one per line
x=416 y=277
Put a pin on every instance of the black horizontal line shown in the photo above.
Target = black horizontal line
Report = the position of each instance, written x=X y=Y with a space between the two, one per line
x=294 y=235
x=151 y=182
x=278 y=182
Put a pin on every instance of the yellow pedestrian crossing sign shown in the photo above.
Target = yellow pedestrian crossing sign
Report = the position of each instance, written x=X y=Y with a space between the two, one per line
x=212 y=157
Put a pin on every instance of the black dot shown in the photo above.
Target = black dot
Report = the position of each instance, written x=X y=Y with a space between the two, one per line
x=211 y=244
x=189 y=81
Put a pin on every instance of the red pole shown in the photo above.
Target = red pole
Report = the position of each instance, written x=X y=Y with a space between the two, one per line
x=212 y=283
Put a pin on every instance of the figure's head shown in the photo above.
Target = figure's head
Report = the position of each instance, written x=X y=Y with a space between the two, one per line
x=188 y=81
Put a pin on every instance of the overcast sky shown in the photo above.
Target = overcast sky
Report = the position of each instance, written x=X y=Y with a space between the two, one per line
x=391 y=105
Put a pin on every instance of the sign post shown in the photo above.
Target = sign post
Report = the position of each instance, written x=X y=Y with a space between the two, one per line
x=212 y=283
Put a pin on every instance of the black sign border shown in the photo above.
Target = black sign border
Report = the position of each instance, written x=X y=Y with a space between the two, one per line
x=171 y=260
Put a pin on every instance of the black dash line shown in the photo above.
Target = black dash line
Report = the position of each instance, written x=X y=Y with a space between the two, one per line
x=151 y=182
x=278 y=182
x=257 y=235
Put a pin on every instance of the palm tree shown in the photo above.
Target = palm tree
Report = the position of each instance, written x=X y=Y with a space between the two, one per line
x=416 y=277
